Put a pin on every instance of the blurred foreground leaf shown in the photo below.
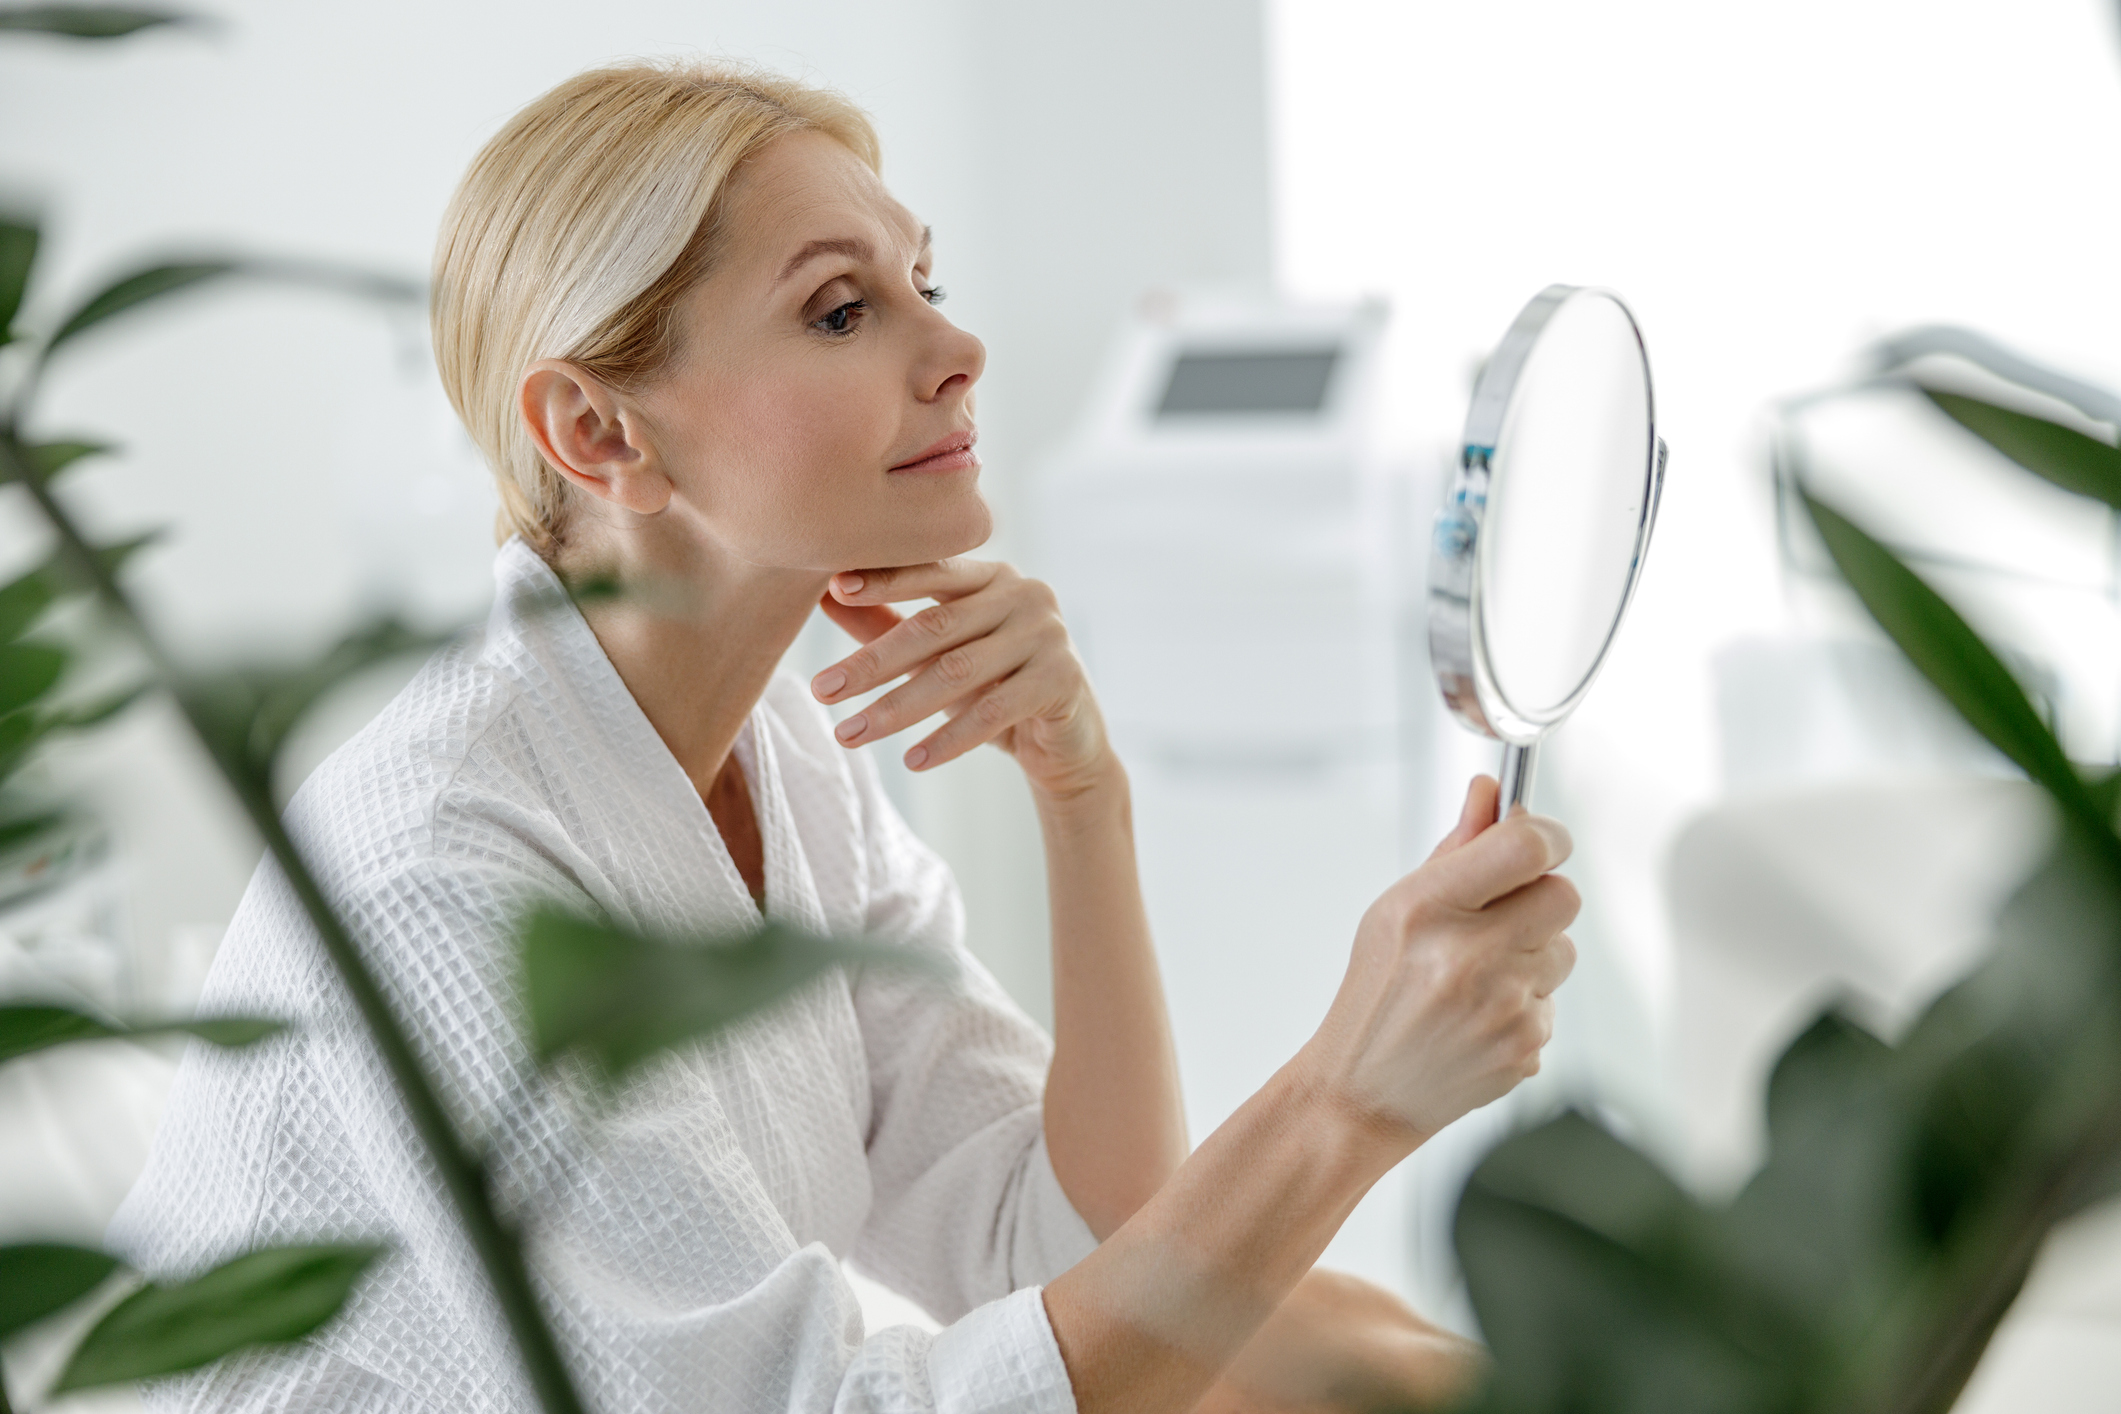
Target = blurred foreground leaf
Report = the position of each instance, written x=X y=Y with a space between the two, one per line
x=98 y=710
x=23 y=601
x=27 y=672
x=1907 y=1187
x=27 y=1027
x=2062 y=455
x=267 y=1297
x=85 y=21
x=1955 y=660
x=620 y=999
x=157 y=282
x=40 y=1278
x=139 y=288
x=28 y=827
x=248 y=713
x=18 y=252
x=48 y=459
x=1599 y=1286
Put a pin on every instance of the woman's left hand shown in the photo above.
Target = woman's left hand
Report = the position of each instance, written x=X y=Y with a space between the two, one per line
x=991 y=652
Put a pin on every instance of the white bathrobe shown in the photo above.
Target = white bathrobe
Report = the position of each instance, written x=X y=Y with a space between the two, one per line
x=688 y=1244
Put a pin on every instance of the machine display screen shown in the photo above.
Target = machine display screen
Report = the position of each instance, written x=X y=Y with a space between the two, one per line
x=1262 y=380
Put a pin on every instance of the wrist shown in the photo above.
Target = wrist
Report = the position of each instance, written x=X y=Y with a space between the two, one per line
x=1093 y=793
x=1334 y=1109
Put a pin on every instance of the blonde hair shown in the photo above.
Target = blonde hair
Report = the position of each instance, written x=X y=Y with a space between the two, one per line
x=579 y=227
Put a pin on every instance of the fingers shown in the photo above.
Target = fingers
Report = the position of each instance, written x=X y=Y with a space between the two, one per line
x=864 y=623
x=943 y=579
x=1539 y=910
x=1482 y=796
x=1539 y=1020
x=932 y=635
x=1499 y=860
x=949 y=676
x=1552 y=964
x=990 y=714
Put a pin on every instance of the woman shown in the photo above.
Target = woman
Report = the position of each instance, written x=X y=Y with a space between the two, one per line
x=698 y=341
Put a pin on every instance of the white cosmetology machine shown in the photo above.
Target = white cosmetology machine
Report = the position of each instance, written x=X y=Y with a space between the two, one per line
x=1225 y=537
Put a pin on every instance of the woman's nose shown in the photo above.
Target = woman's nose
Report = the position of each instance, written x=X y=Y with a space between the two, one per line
x=954 y=363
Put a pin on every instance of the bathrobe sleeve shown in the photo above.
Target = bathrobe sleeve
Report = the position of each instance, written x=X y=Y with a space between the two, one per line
x=967 y=1208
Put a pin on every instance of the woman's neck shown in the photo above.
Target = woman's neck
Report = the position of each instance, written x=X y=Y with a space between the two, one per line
x=695 y=635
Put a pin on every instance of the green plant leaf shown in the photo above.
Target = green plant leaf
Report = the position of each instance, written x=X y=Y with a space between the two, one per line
x=85 y=21
x=139 y=288
x=159 y=281
x=620 y=999
x=2105 y=788
x=283 y=698
x=22 y=829
x=1598 y=1288
x=27 y=672
x=38 y=1279
x=19 y=731
x=26 y=1027
x=114 y=557
x=48 y=459
x=268 y=1297
x=1969 y=1127
x=23 y=602
x=1818 y=1069
x=246 y=714
x=96 y=711
x=1955 y=660
x=20 y=734
x=2062 y=455
x=18 y=252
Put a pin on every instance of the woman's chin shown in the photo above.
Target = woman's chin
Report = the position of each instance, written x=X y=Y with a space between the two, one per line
x=936 y=537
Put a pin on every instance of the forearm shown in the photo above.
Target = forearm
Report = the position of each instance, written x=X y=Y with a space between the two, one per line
x=1153 y=1317
x=1115 y=1126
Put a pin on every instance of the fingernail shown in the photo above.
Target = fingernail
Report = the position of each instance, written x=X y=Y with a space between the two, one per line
x=828 y=683
x=853 y=727
x=915 y=757
x=849 y=583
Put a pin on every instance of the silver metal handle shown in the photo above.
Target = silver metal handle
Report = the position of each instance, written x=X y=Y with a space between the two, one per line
x=1518 y=764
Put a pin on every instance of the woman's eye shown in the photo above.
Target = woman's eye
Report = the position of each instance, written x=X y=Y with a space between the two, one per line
x=842 y=319
x=935 y=294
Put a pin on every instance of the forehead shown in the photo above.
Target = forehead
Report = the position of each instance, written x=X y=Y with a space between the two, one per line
x=804 y=186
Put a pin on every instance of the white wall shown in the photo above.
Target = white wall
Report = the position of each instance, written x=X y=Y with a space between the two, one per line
x=1068 y=157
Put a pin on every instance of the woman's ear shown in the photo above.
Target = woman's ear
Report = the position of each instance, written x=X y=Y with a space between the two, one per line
x=582 y=429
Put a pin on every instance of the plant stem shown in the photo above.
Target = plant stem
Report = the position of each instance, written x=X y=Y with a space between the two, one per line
x=462 y=1177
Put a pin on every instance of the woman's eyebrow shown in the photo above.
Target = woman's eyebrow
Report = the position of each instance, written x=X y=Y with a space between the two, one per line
x=848 y=246
x=852 y=247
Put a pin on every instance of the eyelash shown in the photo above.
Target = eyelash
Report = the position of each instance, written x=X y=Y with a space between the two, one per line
x=934 y=294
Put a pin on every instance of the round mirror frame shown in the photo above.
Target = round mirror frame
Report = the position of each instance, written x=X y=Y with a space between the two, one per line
x=1457 y=645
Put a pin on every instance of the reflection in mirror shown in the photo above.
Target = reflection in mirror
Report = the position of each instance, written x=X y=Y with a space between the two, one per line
x=1569 y=479
x=1540 y=541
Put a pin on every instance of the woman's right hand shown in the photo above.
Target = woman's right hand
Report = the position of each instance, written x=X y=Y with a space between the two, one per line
x=1444 y=1008
x=1447 y=999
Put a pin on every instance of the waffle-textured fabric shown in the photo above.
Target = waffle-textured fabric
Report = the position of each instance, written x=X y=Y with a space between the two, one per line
x=686 y=1236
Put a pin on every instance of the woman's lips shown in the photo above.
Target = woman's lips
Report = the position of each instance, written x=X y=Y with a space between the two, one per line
x=953 y=453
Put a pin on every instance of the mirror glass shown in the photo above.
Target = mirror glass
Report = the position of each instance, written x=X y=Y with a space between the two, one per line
x=1570 y=476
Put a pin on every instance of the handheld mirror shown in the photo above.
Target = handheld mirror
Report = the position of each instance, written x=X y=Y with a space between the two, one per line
x=1542 y=535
